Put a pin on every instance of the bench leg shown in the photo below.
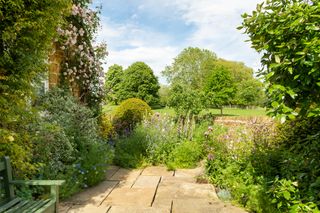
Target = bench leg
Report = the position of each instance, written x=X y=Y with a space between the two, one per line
x=54 y=190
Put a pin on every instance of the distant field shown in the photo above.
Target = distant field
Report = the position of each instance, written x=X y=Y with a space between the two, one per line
x=226 y=111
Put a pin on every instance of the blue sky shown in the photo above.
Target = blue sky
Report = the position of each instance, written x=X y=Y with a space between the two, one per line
x=156 y=31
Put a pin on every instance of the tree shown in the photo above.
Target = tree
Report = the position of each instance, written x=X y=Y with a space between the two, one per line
x=187 y=75
x=164 y=95
x=112 y=83
x=220 y=88
x=191 y=67
x=287 y=33
x=139 y=82
x=185 y=100
x=250 y=93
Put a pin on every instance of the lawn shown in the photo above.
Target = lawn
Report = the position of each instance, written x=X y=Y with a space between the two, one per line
x=226 y=111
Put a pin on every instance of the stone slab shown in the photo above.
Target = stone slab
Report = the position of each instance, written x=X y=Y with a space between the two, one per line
x=126 y=174
x=133 y=209
x=94 y=195
x=203 y=206
x=166 y=193
x=111 y=170
x=89 y=209
x=157 y=171
x=147 y=182
x=189 y=172
x=131 y=197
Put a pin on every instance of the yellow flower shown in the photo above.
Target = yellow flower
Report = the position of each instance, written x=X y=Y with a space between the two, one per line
x=10 y=138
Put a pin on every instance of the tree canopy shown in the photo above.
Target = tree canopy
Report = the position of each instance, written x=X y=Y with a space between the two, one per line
x=139 y=82
x=113 y=79
x=287 y=33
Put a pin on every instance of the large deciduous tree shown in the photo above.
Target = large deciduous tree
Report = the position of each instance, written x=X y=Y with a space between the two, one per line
x=220 y=88
x=139 y=82
x=187 y=75
x=113 y=79
x=287 y=33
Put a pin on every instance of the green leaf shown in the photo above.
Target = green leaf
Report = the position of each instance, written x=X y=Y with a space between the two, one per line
x=277 y=58
x=286 y=195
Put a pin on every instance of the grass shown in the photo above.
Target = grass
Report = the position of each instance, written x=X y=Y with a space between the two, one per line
x=226 y=111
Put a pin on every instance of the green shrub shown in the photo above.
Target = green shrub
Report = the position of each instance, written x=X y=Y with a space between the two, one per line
x=129 y=113
x=68 y=143
x=131 y=152
x=185 y=155
x=106 y=128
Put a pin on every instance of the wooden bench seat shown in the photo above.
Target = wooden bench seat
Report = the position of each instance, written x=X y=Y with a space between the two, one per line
x=13 y=204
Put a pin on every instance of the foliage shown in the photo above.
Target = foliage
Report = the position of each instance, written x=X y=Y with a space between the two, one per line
x=106 y=128
x=287 y=34
x=190 y=67
x=220 y=88
x=185 y=155
x=128 y=114
x=112 y=84
x=139 y=82
x=160 y=139
x=187 y=76
x=131 y=152
x=82 y=59
x=164 y=95
x=250 y=93
x=67 y=144
x=252 y=161
x=26 y=32
x=185 y=101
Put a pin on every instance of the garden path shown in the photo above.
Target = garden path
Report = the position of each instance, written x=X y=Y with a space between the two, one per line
x=149 y=190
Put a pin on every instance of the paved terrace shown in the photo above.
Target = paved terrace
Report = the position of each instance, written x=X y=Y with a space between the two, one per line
x=149 y=190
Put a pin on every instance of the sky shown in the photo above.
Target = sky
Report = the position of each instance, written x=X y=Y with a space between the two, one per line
x=156 y=31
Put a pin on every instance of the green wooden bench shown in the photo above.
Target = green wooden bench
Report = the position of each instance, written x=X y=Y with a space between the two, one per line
x=10 y=203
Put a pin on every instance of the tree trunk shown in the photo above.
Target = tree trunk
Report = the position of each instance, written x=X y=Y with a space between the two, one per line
x=221 y=112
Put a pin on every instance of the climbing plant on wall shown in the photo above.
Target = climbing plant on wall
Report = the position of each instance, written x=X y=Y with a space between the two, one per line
x=82 y=59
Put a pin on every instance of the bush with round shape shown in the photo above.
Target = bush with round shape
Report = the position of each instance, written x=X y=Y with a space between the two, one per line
x=129 y=113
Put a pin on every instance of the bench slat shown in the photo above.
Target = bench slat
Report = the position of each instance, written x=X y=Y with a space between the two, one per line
x=30 y=203
x=37 y=205
x=18 y=207
x=10 y=204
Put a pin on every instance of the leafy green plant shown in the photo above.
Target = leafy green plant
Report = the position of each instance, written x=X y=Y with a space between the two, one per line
x=68 y=144
x=185 y=155
x=129 y=113
x=287 y=34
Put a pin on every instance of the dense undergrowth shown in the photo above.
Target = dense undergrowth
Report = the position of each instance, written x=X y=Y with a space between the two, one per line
x=267 y=168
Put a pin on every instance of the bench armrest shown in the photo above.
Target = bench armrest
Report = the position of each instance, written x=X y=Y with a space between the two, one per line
x=38 y=182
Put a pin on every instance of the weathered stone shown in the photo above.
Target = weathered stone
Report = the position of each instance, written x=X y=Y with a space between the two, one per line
x=203 y=206
x=189 y=172
x=94 y=195
x=89 y=209
x=133 y=209
x=147 y=182
x=157 y=171
x=111 y=171
x=131 y=197
x=126 y=174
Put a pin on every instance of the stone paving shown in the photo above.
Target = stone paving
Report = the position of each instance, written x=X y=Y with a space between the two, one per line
x=149 y=190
